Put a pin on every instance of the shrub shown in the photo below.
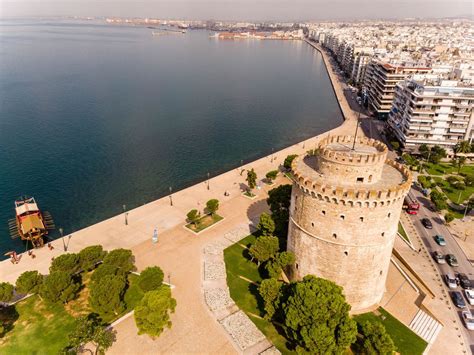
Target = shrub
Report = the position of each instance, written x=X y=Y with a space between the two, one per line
x=449 y=217
x=424 y=181
x=193 y=216
x=212 y=206
x=271 y=175
x=288 y=160
x=29 y=282
x=395 y=145
x=150 y=279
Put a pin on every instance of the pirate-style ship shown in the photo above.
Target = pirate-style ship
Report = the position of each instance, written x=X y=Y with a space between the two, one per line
x=30 y=223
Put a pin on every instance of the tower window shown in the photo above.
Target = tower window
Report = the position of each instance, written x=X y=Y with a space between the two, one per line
x=389 y=215
x=323 y=212
x=312 y=224
x=346 y=253
x=361 y=219
x=383 y=234
x=380 y=272
x=360 y=179
x=296 y=265
x=370 y=178
x=342 y=217
x=334 y=235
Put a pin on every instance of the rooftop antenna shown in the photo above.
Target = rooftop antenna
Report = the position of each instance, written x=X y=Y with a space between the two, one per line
x=355 y=135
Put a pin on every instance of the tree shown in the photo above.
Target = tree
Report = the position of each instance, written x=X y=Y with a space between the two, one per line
x=152 y=313
x=275 y=266
x=462 y=147
x=29 y=282
x=106 y=295
x=439 y=200
x=279 y=202
x=105 y=270
x=59 y=286
x=266 y=224
x=288 y=160
x=87 y=329
x=251 y=179
x=264 y=248
x=448 y=217
x=66 y=262
x=459 y=162
x=437 y=153
x=121 y=258
x=271 y=175
x=375 y=340
x=316 y=317
x=150 y=279
x=395 y=145
x=212 y=206
x=90 y=256
x=424 y=150
x=193 y=216
x=6 y=292
x=270 y=291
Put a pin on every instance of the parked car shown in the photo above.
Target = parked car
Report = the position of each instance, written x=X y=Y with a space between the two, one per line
x=439 y=239
x=450 y=280
x=427 y=223
x=468 y=319
x=464 y=281
x=469 y=296
x=458 y=300
x=439 y=257
x=452 y=261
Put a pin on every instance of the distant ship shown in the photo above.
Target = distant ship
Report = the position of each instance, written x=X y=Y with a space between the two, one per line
x=30 y=223
x=167 y=32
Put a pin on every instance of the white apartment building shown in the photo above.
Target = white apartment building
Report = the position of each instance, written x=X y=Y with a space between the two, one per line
x=434 y=112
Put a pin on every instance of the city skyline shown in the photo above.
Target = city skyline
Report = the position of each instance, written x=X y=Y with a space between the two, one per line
x=281 y=10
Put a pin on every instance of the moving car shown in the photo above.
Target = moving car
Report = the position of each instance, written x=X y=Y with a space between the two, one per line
x=464 y=281
x=426 y=223
x=458 y=300
x=439 y=239
x=439 y=257
x=469 y=296
x=468 y=319
x=452 y=261
x=451 y=280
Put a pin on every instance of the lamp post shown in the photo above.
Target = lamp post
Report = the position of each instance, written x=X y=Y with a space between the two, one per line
x=124 y=207
x=169 y=279
x=271 y=160
x=171 y=196
x=241 y=167
x=61 y=233
x=208 y=181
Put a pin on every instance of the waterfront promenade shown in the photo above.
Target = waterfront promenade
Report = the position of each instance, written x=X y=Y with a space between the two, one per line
x=178 y=251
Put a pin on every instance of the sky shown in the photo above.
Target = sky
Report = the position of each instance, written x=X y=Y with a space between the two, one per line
x=242 y=9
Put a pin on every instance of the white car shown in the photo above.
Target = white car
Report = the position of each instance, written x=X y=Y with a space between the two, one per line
x=451 y=280
x=469 y=296
x=468 y=319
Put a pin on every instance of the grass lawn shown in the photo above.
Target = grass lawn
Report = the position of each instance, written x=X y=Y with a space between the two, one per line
x=402 y=232
x=245 y=293
x=405 y=340
x=42 y=328
x=204 y=222
x=452 y=193
x=447 y=168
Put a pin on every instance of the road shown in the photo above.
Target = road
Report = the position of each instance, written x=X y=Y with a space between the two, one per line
x=452 y=247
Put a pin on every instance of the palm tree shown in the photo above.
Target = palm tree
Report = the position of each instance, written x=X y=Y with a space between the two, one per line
x=462 y=147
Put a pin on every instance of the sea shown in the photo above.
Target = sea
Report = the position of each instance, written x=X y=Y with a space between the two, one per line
x=95 y=116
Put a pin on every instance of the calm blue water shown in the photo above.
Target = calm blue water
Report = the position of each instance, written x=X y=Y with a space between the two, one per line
x=94 y=116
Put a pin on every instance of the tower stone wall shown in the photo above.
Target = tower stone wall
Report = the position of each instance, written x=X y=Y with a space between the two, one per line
x=345 y=208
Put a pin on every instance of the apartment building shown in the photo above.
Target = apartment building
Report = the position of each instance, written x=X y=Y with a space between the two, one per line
x=434 y=112
x=381 y=80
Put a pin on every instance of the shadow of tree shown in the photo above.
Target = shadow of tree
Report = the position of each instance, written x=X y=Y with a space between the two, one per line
x=8 y=317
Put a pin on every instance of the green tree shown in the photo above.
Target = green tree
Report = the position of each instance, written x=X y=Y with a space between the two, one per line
x=251 y=178
x=264 y=248
x=375 y=340
x=105 y=270
x=279 y=202
x=271 y=175
x=275 y=266
x=59 y=286
x=88 y=329
x=462 y=147
x=193 y=216
x=448 y=217
x=288 y=160
x=266 y=224
x=437 y=153
x=395 y=145
x=316 y=317
x=459 y=163
x=29 y=282
x=152 y=313
x=106 y=295
x=151 y=278
x=469 y=180
x=66 y=262
x=121 y=258
x=90 y=256
x=6 y=292
x=270 y=291
x=212 y=206
x=439 y=200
